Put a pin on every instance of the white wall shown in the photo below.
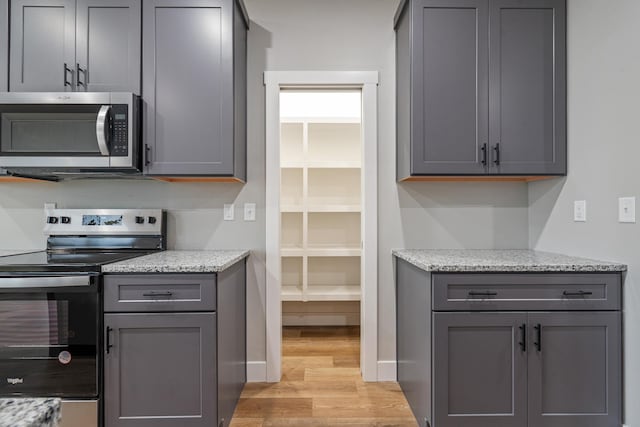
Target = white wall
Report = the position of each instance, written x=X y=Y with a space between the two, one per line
x=300 y=35
x=603 y=137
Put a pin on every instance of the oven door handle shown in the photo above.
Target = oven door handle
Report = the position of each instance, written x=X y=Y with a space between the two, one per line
x=102 y=126
x=44 y=282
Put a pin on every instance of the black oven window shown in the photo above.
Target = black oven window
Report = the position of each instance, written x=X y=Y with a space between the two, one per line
x=34 y=323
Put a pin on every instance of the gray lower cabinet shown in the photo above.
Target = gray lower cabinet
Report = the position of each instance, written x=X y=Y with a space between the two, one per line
x=156 y=372
x=510 y=349
x=194 y=87
x=69 y=45
x=175 y=348
x=480 y=375
x=480 y=87
x=575 y=375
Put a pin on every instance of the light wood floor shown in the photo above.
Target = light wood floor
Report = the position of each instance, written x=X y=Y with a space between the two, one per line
x=321 y=386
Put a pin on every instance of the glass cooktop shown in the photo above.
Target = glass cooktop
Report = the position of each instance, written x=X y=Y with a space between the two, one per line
x=73 y=262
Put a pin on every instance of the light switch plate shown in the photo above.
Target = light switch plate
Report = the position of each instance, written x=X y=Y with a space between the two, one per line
x=580 y=210
x=627 y=209
x=229 y=212
x=249 y=211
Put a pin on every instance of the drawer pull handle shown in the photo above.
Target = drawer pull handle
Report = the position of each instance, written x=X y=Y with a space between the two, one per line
x=482 y=294
x=157 y=294
x=523 y=335
x=538 y=341
x=576 y=293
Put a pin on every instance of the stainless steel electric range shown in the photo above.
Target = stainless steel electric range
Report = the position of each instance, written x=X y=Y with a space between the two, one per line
x=51 y=305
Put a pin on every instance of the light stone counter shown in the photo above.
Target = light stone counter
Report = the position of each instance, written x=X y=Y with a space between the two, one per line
x=212 y=261
x=491 y=260
x=29 y=412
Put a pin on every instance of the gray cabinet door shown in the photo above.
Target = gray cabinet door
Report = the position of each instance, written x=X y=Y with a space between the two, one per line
x=160 y=370
x=108 y=45
x=527 y=129
x=480 y=370
x=187 y=85
x=42 y=41
x=4 y=45
x=450 y=94
x=575 y=373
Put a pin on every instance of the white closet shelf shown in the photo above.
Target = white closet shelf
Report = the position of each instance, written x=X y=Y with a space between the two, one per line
x=324 y=251
x=333 y=164
x=334 y=208
x=333 y=293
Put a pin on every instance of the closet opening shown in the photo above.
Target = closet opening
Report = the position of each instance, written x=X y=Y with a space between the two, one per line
x=321 y=151
x=322 y=215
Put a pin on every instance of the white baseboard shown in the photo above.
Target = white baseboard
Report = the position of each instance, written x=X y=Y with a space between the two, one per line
x=387 y=370
x=257 y=371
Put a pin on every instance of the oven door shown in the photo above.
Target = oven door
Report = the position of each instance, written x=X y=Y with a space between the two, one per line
x=66 y=130
x=49 y=329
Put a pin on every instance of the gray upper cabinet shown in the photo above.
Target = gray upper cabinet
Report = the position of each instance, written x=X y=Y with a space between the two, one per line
x=159 y=370
x=575 y=369
x=64 y=45
x=108 y=45
x=194 y=87
x=527 y=130
x=4 y=46
x=480 y=87
x=42 y=45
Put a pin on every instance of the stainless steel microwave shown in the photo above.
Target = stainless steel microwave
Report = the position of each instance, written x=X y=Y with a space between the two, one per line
x=62 y=134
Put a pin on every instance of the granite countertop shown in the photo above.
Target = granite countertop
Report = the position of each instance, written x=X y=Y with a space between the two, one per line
x=29 y=412
x=179 y=262
x=490 y=260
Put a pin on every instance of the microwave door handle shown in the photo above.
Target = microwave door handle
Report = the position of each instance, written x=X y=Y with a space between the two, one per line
x=102 y=126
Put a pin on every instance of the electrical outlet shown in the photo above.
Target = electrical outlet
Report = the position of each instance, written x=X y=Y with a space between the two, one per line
x=228 y=212
x=627 y=209
x=580 y=210
x=249 y=211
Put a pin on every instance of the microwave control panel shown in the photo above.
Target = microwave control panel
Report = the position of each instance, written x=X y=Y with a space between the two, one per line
x=119 y=131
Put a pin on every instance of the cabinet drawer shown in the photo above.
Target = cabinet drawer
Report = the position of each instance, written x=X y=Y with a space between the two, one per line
x=530 y=291
x=160 y=292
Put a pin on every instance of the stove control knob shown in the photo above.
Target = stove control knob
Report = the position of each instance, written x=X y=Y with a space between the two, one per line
x=139 y=220
x=151 y=220
x=52 y=220
x=65 y=220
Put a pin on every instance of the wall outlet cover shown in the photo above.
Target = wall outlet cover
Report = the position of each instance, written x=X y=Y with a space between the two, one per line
x=580 y=210
x=228 y=212
x=627 y=209
x=249 y=211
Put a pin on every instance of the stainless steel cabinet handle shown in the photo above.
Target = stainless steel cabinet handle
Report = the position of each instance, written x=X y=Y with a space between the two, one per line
x=102 y=127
